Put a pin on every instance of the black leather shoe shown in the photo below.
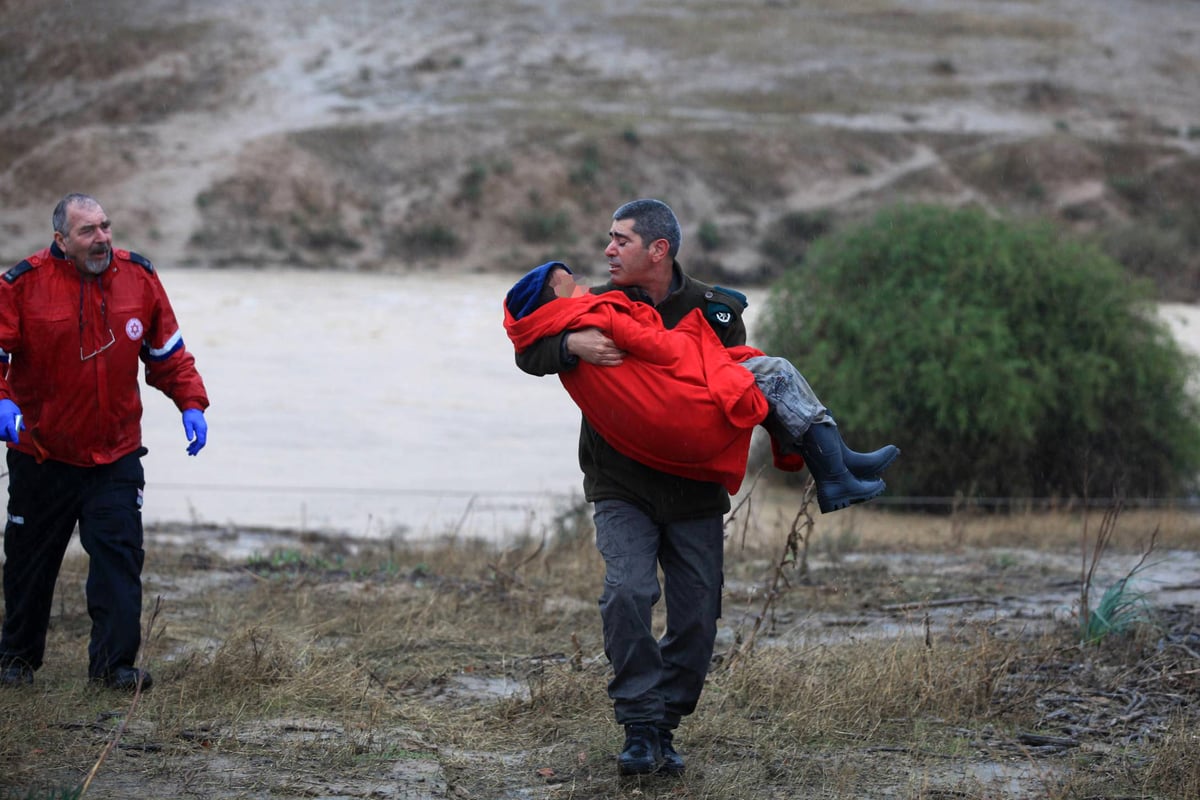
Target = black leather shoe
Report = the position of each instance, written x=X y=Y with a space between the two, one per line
x=16 y=675
x=641 y=755
x=672 y=762
x=125 y=679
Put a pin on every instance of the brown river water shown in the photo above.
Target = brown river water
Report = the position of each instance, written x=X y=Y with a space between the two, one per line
x=374 y=405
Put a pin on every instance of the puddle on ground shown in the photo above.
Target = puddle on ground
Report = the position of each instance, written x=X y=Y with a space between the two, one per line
x=467 y=687
x=999 y=779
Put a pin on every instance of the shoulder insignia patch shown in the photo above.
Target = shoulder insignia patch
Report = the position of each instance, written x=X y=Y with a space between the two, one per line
x=142 y=261
x=17 y=271
x=719 y=309
x=719 y=314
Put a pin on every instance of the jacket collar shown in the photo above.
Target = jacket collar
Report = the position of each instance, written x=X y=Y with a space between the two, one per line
x=678 y=281
x=60 y=258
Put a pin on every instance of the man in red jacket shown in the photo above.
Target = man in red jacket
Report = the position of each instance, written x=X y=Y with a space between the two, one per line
x=77 y=320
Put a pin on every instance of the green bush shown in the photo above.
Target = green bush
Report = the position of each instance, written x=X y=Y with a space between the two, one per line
x=1004 y=359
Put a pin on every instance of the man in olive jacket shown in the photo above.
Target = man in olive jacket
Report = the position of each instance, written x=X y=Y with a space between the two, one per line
x=646 y=518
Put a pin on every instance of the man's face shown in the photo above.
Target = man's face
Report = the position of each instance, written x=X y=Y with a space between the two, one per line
x=629 y=259
x=88 y=241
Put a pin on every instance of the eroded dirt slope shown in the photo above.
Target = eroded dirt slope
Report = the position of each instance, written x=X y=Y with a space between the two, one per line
x=465 y=135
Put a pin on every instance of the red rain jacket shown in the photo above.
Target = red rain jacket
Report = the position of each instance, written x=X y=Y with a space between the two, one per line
x=678 y=403
x=70 y=349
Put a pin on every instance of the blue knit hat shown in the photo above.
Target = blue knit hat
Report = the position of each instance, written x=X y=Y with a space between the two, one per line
x=522 y=298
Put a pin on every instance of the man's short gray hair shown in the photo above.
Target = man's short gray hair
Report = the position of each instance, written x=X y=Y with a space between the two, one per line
x=652 y=220
x=59 y=218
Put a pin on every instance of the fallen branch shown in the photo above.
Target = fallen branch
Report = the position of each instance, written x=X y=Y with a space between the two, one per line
x=1039 y=740
x=920 y=604
x=1180 y=587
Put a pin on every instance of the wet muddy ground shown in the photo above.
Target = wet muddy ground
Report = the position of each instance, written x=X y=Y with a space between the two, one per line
x=1087 y=708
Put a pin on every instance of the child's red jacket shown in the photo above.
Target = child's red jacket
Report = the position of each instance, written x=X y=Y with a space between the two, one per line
x=678 y=403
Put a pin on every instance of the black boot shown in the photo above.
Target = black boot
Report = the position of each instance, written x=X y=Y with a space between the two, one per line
x=642 y=751
x=866 y=466
x=672 y=762
x=837 y=486
x=125 y=679
x=16 y=674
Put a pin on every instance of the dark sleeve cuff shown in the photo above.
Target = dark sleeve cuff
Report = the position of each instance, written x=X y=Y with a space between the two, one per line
x=568 y=359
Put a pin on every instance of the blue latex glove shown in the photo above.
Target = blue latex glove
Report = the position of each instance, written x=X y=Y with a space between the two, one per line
x=196 y=430
x=11 y=424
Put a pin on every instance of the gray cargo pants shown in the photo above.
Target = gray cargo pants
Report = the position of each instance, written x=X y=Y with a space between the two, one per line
x=658 y=681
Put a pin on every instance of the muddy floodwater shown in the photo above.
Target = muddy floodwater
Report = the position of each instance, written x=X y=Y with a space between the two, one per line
x=374 y=405
x=369 y=404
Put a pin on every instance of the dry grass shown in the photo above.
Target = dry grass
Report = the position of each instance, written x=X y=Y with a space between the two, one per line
x=462 y=669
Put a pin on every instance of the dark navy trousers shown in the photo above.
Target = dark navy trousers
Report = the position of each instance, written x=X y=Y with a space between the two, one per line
x=658 y=681
x=45 y=502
